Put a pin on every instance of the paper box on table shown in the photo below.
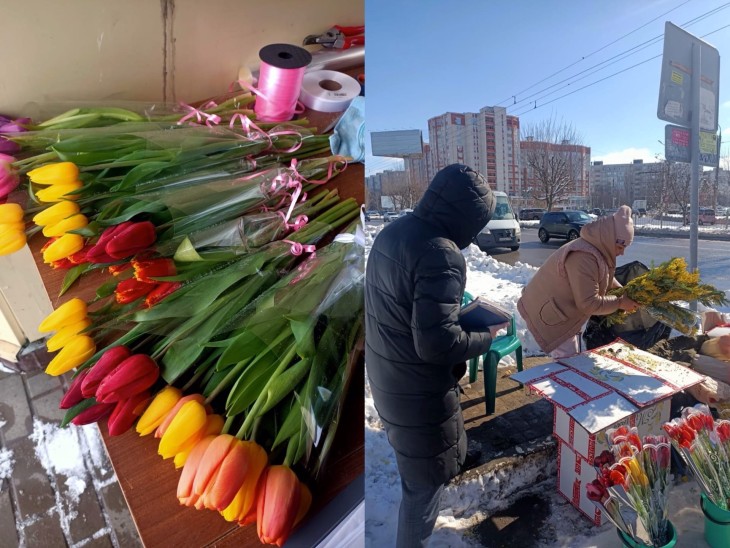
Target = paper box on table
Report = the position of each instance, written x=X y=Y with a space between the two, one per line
x=597 y=390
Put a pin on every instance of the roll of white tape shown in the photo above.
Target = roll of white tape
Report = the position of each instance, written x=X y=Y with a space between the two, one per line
x=328 y=90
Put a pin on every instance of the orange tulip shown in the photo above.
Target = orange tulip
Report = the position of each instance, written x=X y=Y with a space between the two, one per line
x=243 y=506
x=279 y=500
x=227 y=464
x=185 y=493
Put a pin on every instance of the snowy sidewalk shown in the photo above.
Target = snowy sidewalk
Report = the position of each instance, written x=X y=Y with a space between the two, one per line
x=57 y=487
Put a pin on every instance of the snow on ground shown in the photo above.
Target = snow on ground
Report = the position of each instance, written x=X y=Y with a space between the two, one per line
x=466 y=505
x=62 y=452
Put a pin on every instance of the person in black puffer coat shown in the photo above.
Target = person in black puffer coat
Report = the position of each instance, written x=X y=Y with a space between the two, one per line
x=415 y=348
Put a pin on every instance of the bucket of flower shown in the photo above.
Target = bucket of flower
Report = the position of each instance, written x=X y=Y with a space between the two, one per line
x=704 y=445
x=631 y=488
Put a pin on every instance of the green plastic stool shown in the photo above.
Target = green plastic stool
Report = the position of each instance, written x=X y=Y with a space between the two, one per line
x=501 y=346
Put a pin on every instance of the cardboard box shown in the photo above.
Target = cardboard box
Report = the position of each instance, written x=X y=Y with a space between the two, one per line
x=597 y=390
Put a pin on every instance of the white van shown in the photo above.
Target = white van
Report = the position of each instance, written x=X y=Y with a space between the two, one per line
x=503 y=230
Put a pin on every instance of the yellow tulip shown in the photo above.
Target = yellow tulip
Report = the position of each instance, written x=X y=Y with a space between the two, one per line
x=56 y=193
x=12 y=226
x=64 y=247
x=11 y=241
x=69 y=313
x=69 y=223
x=156 y=412
x=11 y=213
x=213 y=427
x=79 y=349
x=65 y=334
x=55 y=213
x=58 y=173
x=185 y=430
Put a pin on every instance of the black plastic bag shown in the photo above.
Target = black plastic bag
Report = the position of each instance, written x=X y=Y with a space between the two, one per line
x=638 y=328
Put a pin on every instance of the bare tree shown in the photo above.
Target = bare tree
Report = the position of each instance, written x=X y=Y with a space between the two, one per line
x=403 y=190
x=553 y=165
x=677 y=186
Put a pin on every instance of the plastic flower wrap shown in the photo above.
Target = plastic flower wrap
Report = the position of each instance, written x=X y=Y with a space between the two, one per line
x=659 y=289
x=632 y=485
x=705 y=446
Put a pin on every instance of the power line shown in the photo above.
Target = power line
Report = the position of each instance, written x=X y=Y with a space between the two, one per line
x=622 y=55
x=590 y=54
x=609 y=76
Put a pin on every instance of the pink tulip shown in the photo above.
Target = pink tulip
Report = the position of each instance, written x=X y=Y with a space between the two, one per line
x=9 y=179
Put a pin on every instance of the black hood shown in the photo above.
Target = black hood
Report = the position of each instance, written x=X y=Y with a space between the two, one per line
x=459 y=201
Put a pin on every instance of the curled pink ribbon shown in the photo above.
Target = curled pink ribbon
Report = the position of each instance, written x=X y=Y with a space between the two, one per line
x=298 y=223
x=248 y=125
x=298 y=248
x=199 y=114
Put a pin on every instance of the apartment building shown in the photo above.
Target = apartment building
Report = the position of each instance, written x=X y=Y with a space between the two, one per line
x=487 y=140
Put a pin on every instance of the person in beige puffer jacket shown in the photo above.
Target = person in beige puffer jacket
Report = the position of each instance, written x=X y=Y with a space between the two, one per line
x=572 y=284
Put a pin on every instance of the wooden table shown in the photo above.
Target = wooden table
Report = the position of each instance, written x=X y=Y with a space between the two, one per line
x=149 y=484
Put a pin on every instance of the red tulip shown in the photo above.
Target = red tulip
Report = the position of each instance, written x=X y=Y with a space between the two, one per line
x=62 y=264
x=80 y=256
x=146 y=269
x=106 y=364
x=134 y=375
x=117 y=269
x=596 y=491
x=279 y=502
x=126 y=412
x=162 y=290
x=97 y=253
x=73 y=394
x=93 y=414
x=723 y=430
x=130 y=290
x=130 y=239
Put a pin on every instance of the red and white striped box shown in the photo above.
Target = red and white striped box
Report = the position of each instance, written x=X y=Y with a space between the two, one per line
x=574 y=473
x=598 y=390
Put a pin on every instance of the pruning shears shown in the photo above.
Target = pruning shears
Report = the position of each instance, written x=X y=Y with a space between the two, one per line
x=338 y=37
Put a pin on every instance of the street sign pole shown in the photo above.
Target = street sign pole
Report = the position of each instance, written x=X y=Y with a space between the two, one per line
x=694 y=196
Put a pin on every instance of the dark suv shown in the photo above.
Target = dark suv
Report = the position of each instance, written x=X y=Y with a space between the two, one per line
x=562 y=224
x=531 y=214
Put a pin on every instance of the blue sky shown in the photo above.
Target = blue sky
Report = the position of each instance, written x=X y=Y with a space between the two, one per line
x=427 y=57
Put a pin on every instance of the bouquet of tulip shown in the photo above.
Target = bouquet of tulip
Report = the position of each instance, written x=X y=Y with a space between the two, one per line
x=631 y=488
x=658 y=289
x=705 y=446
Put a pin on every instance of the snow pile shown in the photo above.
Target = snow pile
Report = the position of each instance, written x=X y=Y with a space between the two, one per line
x=6 y=463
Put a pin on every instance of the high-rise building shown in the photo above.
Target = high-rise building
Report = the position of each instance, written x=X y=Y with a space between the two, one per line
x=488 y=141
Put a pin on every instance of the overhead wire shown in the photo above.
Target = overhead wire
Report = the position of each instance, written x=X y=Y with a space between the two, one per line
x=606 y=77
x=592 y=53
x=610 y=61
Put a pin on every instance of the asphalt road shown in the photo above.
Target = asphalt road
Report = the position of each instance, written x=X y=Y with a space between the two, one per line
x=713 y=257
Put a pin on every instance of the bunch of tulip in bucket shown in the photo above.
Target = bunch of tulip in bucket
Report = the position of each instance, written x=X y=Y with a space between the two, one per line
x=704 y=445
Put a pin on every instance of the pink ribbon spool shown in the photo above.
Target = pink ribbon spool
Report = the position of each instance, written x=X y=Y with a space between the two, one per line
x=280 y=81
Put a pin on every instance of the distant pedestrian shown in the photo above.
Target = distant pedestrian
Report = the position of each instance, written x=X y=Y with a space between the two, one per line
x=415 y=348
x=572 y=284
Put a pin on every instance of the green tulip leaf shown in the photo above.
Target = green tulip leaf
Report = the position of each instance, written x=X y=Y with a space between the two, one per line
x=76 y=410
x=284 y=384
x=73 y=274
